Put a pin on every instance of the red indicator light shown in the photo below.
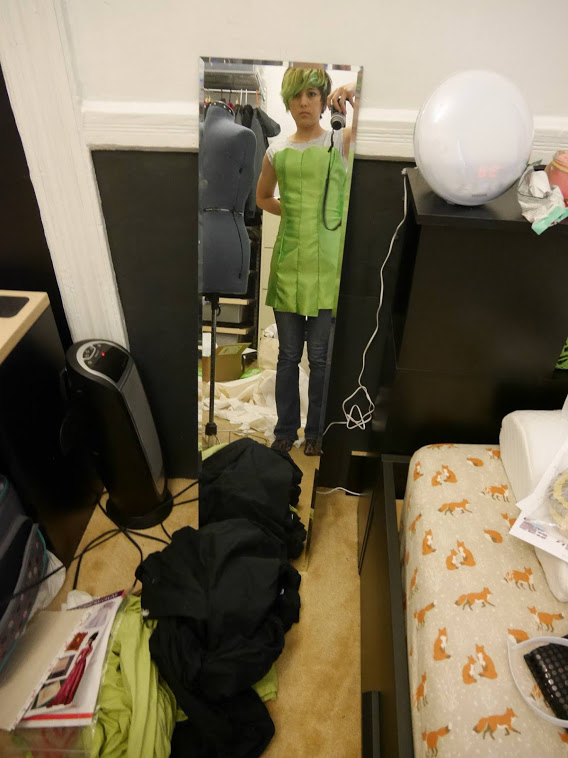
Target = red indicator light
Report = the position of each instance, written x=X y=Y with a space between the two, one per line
x=103 y=354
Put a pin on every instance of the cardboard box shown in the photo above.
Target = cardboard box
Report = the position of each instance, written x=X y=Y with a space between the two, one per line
x=228 y=363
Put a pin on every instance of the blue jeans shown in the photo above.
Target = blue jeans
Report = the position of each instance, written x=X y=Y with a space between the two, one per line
x=293 y=330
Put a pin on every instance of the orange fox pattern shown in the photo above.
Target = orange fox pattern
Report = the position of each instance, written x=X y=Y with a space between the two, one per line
x=468 y=671
x=521 y=579
x=517 y=635
x=509 y=519
x=469 y=600
x=545 y=620
x=446 y=559
x=420 y=615
x=420 y=698
x=494 y=455
x=497 y=491
x=437 y=479
x=448 y=475
x=490 y=724
x=431 y=739
x=477 y=462
x=412 y=526
x=440 y=645
x=452 y=562
x=451 y=507
x=494 y=536
x=412 y=588
x=467 y=558
x=427 y=543
x=487 y=665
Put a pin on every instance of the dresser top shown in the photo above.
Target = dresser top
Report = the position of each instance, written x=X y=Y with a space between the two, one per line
x=13 y=328
x=503 y=212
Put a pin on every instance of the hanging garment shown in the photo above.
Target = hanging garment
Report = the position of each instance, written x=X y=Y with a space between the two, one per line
x=304 y=269
x=269 y=127
x=263 y=127
x=249 y=480
x=246 y=115
x=224 y=596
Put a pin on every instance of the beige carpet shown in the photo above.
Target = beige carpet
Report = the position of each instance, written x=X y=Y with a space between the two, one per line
x=317 y=713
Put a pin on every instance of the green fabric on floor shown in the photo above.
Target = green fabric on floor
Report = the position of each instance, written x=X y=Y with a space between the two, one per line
x=563 y=360
x=137 y=709
x=213 y=449
x=267 y=688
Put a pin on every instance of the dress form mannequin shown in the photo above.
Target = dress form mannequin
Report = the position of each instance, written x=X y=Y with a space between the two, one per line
x=226 y=170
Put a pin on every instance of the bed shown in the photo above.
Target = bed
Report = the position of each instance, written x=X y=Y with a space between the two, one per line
x=454 y=590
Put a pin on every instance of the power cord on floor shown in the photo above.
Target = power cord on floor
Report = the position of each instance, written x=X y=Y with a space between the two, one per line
x=130 y=533
x=336 y=489
x=99 y=540
x=355 y=418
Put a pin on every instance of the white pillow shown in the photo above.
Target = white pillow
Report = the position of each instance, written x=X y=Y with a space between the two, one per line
x=529 y=440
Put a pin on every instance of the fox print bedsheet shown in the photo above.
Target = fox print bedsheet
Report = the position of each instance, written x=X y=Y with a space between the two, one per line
x=469 y=588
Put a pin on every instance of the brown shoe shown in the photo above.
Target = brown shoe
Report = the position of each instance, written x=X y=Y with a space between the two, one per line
x=282 y=445
x=312 y=447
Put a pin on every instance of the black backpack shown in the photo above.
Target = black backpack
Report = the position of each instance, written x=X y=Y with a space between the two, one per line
x=23 y=561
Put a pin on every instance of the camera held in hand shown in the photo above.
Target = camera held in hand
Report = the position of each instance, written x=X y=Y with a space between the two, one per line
x=337 y=118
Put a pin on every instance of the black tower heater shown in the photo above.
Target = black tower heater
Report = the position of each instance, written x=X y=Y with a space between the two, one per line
x=104 y=385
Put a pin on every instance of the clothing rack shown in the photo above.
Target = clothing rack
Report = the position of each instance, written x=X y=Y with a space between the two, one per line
x=242 y=95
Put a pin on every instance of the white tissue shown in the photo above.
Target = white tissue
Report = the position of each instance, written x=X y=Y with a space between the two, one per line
x=529 y=441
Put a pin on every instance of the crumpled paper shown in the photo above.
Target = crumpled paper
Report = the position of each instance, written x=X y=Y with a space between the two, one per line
x=540 y=203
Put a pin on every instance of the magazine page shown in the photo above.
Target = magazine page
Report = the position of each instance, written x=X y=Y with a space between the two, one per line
x=68 y=695
x=43 y=641
x=543 y=521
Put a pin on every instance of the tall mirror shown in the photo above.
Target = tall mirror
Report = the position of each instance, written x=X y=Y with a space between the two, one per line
x=276 y=152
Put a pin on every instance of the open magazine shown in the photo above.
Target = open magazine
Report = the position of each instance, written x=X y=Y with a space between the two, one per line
x=543 y=521
x=67 y=696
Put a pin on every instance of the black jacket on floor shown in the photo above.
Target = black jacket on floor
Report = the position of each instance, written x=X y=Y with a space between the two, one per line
x=249 y=480
x=224 y=596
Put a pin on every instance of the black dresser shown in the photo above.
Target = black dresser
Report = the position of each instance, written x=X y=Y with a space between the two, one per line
x=475 y=327
x=478 y=320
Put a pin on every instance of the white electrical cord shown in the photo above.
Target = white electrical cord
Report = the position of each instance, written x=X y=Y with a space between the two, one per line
x=335 y=489
x=354 y=417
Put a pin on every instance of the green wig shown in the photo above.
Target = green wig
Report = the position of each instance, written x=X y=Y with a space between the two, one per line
x=296 y=80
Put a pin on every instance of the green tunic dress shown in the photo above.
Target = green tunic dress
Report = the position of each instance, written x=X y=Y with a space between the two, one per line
x=304 y=270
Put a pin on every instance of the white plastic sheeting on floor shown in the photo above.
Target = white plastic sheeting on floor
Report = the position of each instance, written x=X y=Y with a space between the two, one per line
x=249 y=403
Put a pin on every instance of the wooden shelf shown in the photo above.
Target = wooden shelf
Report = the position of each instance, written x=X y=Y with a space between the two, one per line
x=229 y=329
x=236 y=300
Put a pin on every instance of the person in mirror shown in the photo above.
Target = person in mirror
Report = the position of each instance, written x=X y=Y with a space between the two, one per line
x=309 y=168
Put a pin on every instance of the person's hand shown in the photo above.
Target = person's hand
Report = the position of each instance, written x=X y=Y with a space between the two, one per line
x=341 y=95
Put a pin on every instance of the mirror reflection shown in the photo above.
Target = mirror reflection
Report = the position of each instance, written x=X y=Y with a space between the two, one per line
x=276 y=150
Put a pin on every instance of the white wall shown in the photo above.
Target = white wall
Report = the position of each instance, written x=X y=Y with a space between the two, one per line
x=124 y=73
x=148 y=49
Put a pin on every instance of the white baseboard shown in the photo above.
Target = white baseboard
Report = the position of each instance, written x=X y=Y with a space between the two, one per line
x=382 y=133
x=136 y=125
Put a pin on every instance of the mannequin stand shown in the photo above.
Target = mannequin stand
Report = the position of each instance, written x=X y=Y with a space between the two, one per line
x=211 y=426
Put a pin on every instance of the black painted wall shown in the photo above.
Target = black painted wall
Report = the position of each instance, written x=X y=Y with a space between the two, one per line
x=375 y=209
x=149 y=201
x=25 y=262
